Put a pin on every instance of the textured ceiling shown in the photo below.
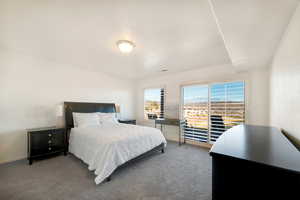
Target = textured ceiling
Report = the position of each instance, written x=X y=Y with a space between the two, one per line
x=169 y=34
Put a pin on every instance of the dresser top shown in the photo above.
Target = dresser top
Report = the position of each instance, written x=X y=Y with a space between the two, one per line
x=265 y=145
x=44 y=129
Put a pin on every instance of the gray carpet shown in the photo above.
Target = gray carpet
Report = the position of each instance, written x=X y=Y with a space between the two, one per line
x=181 y=173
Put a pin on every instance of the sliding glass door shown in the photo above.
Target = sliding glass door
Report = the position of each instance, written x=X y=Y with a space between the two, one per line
x=209 y=110
x=195 y=112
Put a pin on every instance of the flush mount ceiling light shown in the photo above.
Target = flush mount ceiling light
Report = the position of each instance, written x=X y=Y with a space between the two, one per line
x=125 y=46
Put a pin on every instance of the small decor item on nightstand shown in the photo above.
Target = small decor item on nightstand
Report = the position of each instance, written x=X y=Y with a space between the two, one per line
x=45 y=141
x=130 y=121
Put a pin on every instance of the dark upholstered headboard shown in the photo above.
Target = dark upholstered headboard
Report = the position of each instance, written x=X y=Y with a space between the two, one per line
x=83 y=107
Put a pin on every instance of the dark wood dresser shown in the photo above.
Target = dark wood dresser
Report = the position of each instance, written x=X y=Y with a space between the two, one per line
x=254 y=162
x=43 y=142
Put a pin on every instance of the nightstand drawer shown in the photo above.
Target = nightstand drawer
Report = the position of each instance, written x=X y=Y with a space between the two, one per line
x=57 y=138
x=47 y=142
x=46 y=150
x=40 y=140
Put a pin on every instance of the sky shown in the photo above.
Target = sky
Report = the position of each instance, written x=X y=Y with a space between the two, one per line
x=199 y=93
x=152 y=94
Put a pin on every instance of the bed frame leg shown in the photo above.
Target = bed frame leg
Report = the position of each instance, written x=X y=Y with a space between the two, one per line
x=108 y=179
x=163 y=150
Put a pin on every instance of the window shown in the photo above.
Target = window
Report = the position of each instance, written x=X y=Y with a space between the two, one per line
x=209 y=110
x=154 y=103
x=227 y=107
x=196 y=107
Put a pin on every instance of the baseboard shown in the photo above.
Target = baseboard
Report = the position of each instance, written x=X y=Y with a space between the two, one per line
x=200 y=144
x=13 y=161
x=172 y=140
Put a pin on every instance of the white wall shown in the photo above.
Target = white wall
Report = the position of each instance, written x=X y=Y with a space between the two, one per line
x=257 y=92
x=285 y=81
x=31 y=89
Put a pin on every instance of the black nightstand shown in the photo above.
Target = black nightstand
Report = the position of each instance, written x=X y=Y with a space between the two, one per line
x=131 y=121
x=46 y=141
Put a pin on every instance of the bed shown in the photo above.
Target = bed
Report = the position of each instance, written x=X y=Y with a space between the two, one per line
x=107 y=146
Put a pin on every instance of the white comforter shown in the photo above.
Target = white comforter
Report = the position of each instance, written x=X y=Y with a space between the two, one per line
x=107 y=146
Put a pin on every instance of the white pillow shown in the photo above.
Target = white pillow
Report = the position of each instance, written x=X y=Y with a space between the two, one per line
x=85 y=119
x=107 y=117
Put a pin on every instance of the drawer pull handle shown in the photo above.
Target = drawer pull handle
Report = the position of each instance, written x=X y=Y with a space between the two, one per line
x=49 y=148
x=49 y=141
x=49 y=135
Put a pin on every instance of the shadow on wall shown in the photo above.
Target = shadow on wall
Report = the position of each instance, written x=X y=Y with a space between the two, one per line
x=13 y=145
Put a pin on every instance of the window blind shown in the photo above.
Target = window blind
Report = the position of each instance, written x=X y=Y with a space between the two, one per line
x=162 y=103
x=227 y=107
x=154 y=100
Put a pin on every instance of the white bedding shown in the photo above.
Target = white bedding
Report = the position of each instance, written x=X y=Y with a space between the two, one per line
x=105 y=147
